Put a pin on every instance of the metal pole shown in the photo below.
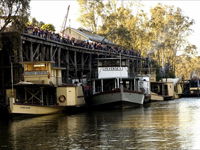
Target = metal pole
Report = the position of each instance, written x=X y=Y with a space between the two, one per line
x=101 y=85
x=120 y=80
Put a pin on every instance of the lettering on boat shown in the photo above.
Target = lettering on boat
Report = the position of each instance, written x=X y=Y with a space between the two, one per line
x=112 y=69
x=25 y=107
x=112 y=72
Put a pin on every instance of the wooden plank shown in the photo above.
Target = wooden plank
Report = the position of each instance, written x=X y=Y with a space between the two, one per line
x=31 y=52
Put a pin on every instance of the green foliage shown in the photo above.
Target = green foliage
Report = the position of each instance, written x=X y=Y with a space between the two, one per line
x=14 y=12
x=48 y=27
x=40 y=24
x=34 y=22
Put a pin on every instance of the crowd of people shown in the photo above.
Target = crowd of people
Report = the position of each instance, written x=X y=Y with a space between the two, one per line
x=75 y=42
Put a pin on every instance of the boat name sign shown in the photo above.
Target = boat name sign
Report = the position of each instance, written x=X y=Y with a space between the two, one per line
x=112 y=69
x=110 y=72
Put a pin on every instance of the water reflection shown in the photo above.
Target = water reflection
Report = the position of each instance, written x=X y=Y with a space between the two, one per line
x=163 y=125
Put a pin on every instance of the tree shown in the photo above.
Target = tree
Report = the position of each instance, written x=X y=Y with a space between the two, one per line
x=159 y=35
x=112 y=20
x=116 y=25
x=90 y=13
x=15 y=12
x=34 y=22
x=169 y=29
x=187 y=62
x=40 y=24
x=48 y=27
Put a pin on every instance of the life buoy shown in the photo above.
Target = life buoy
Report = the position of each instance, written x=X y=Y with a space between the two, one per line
x=62 y=98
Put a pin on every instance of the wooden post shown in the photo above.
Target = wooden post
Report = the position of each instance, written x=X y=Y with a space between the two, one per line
x=42 y=96
x=131 y=85
x=115 y=83
x=43 y=53
x=82 y=65
x=25 y=91
x=31 y=52
x=90 y=65
x=134 y=85
x=93 y=86
x=75 y=64
x=59 y=52
x=51 y=53
x=67 y=67
x=21 y=51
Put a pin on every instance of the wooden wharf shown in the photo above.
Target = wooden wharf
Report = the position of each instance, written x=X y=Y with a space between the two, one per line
x=79 y=62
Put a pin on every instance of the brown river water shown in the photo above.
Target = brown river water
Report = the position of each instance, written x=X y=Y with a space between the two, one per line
x=159 y=125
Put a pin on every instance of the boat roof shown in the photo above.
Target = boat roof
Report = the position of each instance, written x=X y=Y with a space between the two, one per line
x=30 y=84
x=36 y=62
x=174 y=80
x=160 y=82
x=91 y=36
x=68 y=85
x=59 y=68
x=114 y=78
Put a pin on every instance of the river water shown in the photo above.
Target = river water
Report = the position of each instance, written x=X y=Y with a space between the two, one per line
x=159 y=125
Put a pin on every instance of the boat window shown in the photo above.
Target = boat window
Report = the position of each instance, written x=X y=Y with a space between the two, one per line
x=127 y=85
x=39 y=65
x=35 y=67
x=35 y=73
x=156 y=88
x=166 y=90
x=123 y=63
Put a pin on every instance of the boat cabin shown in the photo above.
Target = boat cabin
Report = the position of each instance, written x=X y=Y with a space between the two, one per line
x=114 y=73
x=42 y=91
x=113 y=68
x=42 y=72
x=194 y=87
x=163 y=90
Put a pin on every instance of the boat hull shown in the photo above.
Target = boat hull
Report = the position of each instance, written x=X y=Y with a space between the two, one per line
x=156 y=97
x=107 y=98
x=33 y=109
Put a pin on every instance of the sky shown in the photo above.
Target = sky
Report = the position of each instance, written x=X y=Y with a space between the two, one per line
x=54 y=11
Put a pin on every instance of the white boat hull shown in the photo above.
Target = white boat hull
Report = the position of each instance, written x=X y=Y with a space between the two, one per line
x=116 y=97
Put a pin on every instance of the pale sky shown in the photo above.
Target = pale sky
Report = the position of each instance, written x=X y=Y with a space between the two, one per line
x=54 y=11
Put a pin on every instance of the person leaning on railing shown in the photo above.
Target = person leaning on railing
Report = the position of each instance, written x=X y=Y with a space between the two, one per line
x=91 y=45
